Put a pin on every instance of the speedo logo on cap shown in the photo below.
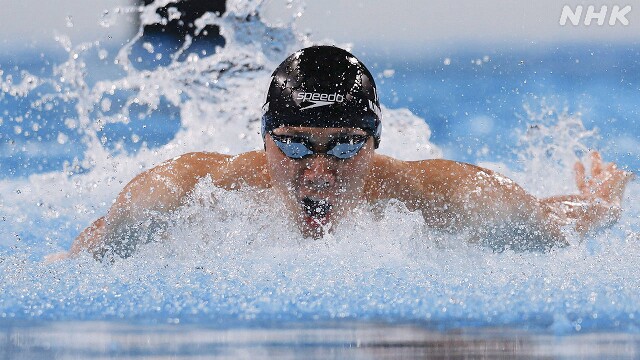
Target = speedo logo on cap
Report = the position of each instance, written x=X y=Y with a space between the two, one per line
x=319 y=99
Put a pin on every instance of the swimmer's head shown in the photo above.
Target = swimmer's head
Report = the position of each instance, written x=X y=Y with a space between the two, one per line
x=323 y=87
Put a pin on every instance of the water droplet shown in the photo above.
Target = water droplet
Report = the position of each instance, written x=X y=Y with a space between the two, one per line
x=62 y=138
x=149 y=47
x=105 y=104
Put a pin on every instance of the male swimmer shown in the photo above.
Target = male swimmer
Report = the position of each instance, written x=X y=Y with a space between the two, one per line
x=321 y=125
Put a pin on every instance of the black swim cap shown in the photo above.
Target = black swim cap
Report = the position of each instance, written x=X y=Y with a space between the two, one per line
x=322 y=86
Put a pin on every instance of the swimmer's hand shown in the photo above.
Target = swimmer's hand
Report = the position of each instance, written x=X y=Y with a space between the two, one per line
x=606 y=183
x=603 y=190
x=599 y=203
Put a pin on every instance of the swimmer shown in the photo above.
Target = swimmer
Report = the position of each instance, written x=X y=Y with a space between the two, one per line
x=321 y=125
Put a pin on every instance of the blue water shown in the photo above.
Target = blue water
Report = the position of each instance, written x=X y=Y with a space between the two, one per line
x=489 y=87
x=476 y=101
x=73 y=131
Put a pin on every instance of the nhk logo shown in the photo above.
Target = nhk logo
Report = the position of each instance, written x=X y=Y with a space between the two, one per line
x=617 y=14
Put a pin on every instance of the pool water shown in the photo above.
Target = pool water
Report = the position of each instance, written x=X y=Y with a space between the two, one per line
x=340 y=341
x=235 y=279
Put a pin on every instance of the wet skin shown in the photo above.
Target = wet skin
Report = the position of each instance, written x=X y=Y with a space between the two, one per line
x=320 y=189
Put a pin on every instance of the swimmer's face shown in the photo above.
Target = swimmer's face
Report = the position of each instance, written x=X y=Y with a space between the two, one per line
x=319 y=189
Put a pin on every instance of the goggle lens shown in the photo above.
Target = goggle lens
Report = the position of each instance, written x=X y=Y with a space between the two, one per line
x=296 y=147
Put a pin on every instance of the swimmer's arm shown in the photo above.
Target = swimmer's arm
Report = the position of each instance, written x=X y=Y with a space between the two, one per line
x=490 y=203
x=164 y=188
x=159 y=189
x=88 y=240
x=453 y=195
x=587 y=214
x=597 y=205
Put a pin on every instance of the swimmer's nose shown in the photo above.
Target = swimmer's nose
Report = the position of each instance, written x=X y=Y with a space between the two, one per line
x=318 y=174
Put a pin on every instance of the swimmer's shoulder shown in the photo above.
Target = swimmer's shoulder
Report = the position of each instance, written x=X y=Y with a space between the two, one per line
x=438 y=177
x=226 y=171
x=435 y=169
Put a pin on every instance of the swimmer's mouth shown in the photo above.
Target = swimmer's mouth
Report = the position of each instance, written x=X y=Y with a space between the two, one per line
x=317 y=209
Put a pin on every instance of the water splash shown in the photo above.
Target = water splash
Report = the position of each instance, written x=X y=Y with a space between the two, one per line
x=553 y=142
x=227 y=259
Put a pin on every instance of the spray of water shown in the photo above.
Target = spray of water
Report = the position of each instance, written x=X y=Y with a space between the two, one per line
x=230 y=257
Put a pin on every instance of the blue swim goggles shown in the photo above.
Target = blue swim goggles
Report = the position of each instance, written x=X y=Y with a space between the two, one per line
x=299 y=147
